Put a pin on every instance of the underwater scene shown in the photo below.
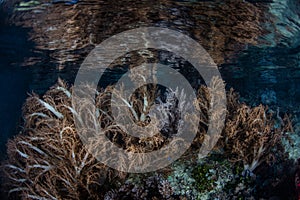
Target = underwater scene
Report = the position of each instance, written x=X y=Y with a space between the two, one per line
x=150 y=99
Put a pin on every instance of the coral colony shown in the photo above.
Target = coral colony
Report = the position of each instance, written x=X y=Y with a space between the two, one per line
x=48 y=160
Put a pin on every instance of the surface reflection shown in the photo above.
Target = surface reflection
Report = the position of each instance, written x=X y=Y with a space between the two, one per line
x=223 y=28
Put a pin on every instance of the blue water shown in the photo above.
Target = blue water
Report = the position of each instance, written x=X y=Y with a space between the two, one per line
x=14 y=79
x=266 y=72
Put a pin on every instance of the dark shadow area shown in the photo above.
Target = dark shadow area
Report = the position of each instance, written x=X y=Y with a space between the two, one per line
x=14 y=80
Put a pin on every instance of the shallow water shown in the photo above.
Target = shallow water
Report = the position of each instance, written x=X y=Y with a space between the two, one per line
x=47 y=41
x=255 y=43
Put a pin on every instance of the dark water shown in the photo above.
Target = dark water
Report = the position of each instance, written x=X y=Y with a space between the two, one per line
x=272 y=72
x=14 y=79
x=255 y=44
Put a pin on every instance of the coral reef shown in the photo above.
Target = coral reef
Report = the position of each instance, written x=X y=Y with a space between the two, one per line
x=250 y=134
x=142 y=187
x=210 y=178
x=48 y=160
x=291 y=145
x=182 y=182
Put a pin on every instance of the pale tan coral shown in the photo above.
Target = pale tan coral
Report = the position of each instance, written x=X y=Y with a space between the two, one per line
x=250 y=133
x=48 y=160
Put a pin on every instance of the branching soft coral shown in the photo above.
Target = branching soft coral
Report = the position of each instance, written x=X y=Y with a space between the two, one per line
x=250 y=133
x=48 y=160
